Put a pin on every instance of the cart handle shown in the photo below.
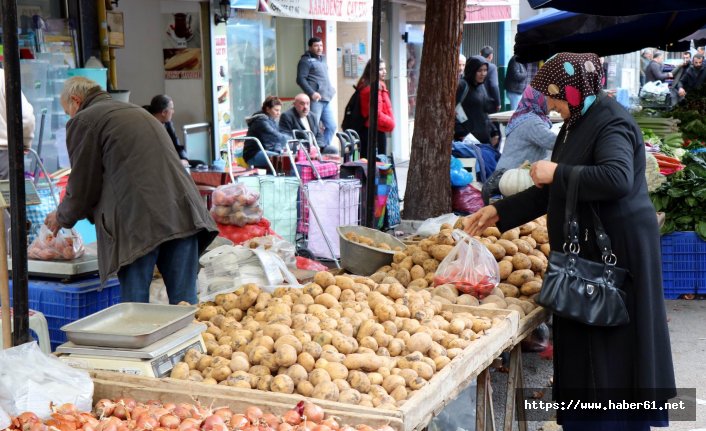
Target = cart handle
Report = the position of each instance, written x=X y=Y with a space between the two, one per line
x=259 y=144
x=40 y=165
x=311 y=138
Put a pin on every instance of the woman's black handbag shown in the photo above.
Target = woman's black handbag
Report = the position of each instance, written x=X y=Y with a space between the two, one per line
x=578 y=288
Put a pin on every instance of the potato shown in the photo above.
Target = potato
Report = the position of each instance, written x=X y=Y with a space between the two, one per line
x=359 y=381
x=419 y=342
x=336 y=370
x=441 y=362
x=491 y=231
x=509 y=290
x=540 y=235
x=467 y=299
x=527 y=228
x=398 y=257
x=496 y=250
x=494 y=299
x=430 y=265
x=522 y=246
x=480 y=324
x=519 y=277
x=327 y=300
x=344 y=344
x=350 y=396
x=506 y=268
x=537 y=264
x=447 y=291
x=206 y=313
x=391 y=382
x=283 y=384
x=305 y=388
x=285 y=355
x=417 y=272
x=418 y=257
x=180 y=371
x=324 y=279
x=511 y=234
x=363 y=361
x=440 y=251
x=423 y=369
x=326 y=391
x=221 y=373
x=396 y=347
x=509 y=246
x=191 y=358
x=319 y=375
x=399 y=393
x=519 y=309
x=521 y=261
x=531 y=287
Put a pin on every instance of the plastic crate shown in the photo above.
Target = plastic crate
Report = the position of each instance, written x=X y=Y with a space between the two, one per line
x=63 y=303
x=683 y=264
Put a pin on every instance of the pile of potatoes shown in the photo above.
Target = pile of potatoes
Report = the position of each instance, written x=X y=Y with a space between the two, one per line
x=415 y=266
x=364 y=240
x=521 y=254
x=340 y=338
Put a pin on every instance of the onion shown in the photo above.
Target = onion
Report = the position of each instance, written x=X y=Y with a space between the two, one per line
x=27 y=419
x=120 y=411
x=238 y=421
x=182 y=412
x=169 y=421
x=292 y=417
x=331 y=422
x=271 y=420
x=189 y=423
x=313 y=412
x=225 y=413
x=210 y=422
x=169 y=406
x=104 y=408
x=285 y=427
x=306 y=425
x=67 y=409
x=321 y=427
x=253 y=413
x=139 y=410
x=154 y=403
x=385 y=428
x=38 y=426
x=146 y=421
x=127 y=402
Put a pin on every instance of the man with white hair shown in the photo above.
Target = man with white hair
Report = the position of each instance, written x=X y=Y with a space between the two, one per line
x=654 y=72
x=128 y=180
x=300 y=117
x=461 y=65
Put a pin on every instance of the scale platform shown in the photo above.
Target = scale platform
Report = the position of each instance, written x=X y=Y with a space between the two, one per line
x=155 y=360
x=64 y=269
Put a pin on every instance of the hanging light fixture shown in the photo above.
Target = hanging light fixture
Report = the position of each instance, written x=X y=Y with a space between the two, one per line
x=224 y=8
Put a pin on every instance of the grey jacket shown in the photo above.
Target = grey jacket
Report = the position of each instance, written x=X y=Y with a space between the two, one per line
x=312 y=76
x=532 y=140
x=128 y=180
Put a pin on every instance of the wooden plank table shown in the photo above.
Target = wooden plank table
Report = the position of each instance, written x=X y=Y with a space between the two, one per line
x=413 y=415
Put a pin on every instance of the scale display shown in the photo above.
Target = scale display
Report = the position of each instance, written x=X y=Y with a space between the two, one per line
x=31 y=196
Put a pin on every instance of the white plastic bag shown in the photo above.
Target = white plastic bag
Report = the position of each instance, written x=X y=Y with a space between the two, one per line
x=469 y=266
x=4 y=419
x=66 y=245
x=30 y=380
x=431 y=226
x=283 y=248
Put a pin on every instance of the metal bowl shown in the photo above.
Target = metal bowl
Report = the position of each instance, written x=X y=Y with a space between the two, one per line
x=361 y=259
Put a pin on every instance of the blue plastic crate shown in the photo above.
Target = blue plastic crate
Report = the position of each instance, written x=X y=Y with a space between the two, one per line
x=683 y=264
x=63 y=303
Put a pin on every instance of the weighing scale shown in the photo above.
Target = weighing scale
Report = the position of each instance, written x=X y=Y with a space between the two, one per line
x=155 y=360
x=64 y=269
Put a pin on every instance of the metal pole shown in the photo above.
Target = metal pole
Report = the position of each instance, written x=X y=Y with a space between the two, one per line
x=373 y=129
x=13 y=103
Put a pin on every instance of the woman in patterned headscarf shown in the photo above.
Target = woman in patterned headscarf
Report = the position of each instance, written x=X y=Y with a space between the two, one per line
x=601 y=136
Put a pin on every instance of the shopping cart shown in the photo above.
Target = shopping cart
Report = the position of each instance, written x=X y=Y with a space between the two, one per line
x=284 y=201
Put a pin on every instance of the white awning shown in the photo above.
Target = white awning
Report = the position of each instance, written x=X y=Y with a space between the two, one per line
x=330 y=10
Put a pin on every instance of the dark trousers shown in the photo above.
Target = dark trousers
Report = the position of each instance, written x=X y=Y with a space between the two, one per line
x=177 y=261
x=381 y=145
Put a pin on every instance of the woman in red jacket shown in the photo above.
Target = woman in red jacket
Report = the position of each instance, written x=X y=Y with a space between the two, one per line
x=386 y=120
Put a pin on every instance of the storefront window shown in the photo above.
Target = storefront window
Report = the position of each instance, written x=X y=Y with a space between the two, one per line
x=415 y=36
x=252 y=61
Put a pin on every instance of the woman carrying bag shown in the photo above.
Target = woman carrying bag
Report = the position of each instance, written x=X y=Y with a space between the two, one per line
x=632 y=360
x=386 y=119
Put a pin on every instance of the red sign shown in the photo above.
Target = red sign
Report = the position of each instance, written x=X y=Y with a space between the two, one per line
x=318 y=29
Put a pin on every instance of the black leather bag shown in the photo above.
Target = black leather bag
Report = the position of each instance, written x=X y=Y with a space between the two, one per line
x=582 y=289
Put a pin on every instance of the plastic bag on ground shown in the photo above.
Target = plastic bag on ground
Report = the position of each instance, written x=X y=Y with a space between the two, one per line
x=284 y=249
x=459 y=176
x=469 y=266
x=310 y=265
x=431 y=226
x=458 y=414
x=30 y=380
x=66 y=245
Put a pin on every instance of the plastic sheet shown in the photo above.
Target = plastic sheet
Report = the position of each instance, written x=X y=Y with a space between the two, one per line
x=66 y=245
x=31 y=380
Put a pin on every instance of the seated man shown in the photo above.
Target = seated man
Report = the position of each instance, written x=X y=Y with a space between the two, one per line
x=299 y=117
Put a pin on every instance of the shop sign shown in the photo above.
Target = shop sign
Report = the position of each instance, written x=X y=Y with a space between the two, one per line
x=478 y=11
x=330 y=10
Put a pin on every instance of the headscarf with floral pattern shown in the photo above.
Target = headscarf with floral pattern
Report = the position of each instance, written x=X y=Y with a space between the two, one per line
x=575 y=78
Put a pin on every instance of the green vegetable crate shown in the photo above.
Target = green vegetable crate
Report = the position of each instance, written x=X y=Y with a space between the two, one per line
x=683 y=264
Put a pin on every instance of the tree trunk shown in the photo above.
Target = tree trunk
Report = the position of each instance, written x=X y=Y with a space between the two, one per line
x=428 y=191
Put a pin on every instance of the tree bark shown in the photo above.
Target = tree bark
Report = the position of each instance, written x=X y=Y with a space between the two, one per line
x=428 y=191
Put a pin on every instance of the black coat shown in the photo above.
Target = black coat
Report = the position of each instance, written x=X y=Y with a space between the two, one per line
x=638 y=355
x=264 y=128
x=692 y=78
x=516 y=76
x=477 y=105
x=653 y=72
x=290 y=120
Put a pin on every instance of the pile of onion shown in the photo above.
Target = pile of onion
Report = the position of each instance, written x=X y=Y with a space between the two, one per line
x=125 y=414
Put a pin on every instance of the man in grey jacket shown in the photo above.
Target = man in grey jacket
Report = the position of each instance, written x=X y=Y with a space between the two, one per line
x=312 y=77
x=128 y=180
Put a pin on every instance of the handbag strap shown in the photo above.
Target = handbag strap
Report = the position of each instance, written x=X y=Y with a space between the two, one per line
x=571 y=225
